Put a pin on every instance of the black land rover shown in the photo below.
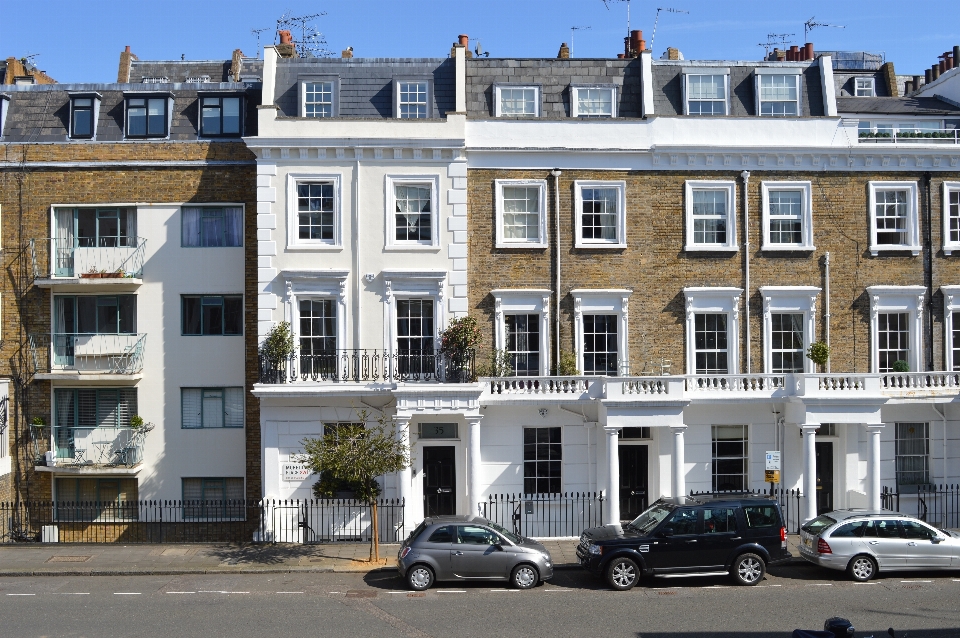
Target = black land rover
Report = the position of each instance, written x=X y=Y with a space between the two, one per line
x=721 y=534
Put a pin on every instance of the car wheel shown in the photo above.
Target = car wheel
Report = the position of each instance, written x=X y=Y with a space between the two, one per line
x=862 y=568
x=622 y=574
x=524 y=577
x=748 y=569
x=420 y=577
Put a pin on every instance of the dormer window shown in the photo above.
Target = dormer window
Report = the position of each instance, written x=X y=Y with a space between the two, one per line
x=319 y=97
x=4 y=105
x=706 y=91
x=412 y=99
x=220 y=116
x=864 y=87
x=778 y=92
x=598 y=101
x=83 y=115
x=147 y=116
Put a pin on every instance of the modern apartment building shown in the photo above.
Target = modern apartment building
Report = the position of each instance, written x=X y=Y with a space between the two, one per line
x=125 y=211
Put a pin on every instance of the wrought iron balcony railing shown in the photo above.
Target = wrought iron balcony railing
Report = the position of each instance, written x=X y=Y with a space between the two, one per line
x=102 y=353
x=370 y=365
x=69 y=258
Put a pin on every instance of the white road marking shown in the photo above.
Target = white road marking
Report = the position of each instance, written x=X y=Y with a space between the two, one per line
x=72 y=593
x=203 y=591
x=916 y=581
x=509 y=591
x=180 y=592
x=21 y=594
x=289 y=592
x=558 y=589
x=866 y=583
x=451 y=591
x=126 y=593
x=770 y=585
x=819 y=584
x=335 y=592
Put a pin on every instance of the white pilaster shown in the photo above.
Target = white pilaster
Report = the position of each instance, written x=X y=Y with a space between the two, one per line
x=873 y=466
x=611 y=513
x=809 y=509
x=473 y=463
x=678 y=471
x=405 y=476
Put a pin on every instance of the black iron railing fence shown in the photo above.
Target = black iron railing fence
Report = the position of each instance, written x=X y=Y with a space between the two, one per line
x=363 y=365
x=201 y=521
x=938 y=505
x=545 y=515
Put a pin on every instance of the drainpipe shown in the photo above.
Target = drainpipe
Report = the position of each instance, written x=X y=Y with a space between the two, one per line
x=928 y=272
x=746 y=261
x=356 y=257
x=556 y=320
x=943 y=418
x=826 y=303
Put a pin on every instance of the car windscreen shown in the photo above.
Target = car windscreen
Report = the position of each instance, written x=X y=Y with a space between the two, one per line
x=513 y=538
x=653 y=516
x=818 y=524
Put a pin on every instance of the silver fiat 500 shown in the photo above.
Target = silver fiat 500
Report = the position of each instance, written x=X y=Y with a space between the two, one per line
x=471 y=548
x=866 y=542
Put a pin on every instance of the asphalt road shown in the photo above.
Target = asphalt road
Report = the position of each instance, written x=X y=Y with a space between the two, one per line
x=376 y=604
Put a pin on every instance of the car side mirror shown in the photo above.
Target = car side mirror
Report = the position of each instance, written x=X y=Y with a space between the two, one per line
x=499 y=546
x=667 y=532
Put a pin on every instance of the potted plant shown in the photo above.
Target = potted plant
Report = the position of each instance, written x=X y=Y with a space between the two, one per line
x=901 y=366
x=136 y=422
x=93 y=273
x=275 y=351
x=37 y=427
x=457 y=344
x=819 y=353
x=567 y=366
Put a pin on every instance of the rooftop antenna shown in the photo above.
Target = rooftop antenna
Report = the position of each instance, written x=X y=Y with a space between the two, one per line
x=572 y=31
x=479 y=52
x=312 y=44
x=810 y=25
x=606 y=3
x=657 y=19
x=775 y=38
x=257 y=33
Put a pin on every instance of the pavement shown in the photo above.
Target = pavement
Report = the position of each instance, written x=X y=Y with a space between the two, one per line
x=61 y=559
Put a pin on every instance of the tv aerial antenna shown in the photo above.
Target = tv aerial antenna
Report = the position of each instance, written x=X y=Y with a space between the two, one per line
x=811 y=24
x=572 y=31
x=606 y=3
x=312 y=43
x=257 y=33
x=774 y=39
x=657 y=19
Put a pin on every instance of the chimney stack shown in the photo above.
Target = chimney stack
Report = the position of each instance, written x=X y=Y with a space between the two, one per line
x=564 y=53
x=126 y=61
x=286 y=48
x=347 y=53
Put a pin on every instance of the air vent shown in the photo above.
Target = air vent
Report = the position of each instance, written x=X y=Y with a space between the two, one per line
x=198 y=79
x=157 y=80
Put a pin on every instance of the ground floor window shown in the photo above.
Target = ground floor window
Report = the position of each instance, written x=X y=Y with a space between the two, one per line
x=96 y=499
x=213 y=498
x=542 y=459
x=913 y=453
x=729 y=457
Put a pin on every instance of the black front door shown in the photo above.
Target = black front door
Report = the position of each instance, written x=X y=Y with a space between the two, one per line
x=633 y=481
x=824 y=476
x=439 y=481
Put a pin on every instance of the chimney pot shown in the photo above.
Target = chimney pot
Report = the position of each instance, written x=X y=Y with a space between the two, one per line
x=927 y=76
x=127 y=49
x=908 y=87
x=808 y=51
x=621 y=56
x=464 y=40
x=935 y=72
x=285 y=37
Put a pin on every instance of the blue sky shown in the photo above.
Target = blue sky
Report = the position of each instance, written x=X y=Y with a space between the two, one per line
x=81 y=41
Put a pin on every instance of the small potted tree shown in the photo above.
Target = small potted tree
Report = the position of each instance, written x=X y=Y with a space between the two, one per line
x=457 y=345
x=275 y=352
x=819 y=353
x=38 y=430
x=901 y=366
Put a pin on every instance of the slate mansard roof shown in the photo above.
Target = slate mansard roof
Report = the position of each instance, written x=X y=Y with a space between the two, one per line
x=41 y=112
x=365 y=84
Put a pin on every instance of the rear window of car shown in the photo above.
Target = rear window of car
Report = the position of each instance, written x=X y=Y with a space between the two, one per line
x=442 y=535
x=849 y=530
x=818 y=524
x=416 y=532
x=762 y=516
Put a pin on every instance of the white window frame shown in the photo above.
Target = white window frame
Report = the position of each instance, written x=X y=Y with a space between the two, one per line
x=396 y=96
x=610 y=301
x=897 y=299
x=951 y=304
x=913 y=218
x=730 y=188
x=806 y=215
x=706 y=71
x=391 y=181
x=412 y=284
x=795 y=72
x=540 y=242
x=868 y=88
x=621 y=240
x=948 y=189
x=537 y=99
x=334 y=95
x=530 y=301
x=704 y=300
x=315 y=284
x=293 y=222
x=4 y=107
x=789 y=300
x=575 y=99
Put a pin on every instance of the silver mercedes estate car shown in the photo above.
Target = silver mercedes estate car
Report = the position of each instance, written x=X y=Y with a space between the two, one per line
x=470 y=548
x=865 y=542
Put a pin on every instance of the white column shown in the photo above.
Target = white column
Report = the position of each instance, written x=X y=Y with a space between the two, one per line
x=873 y=466
x=809 y=471
x=405 y=476
x=611 y=510
x=473 y=463
x=677 y=470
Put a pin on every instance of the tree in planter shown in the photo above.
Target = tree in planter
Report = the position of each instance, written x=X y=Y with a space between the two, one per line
x=352 y=456
x=277 y=347
x=499 y=365
x=901 y=366
x=819 y=353
x=567 y=366
x=457 y=343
